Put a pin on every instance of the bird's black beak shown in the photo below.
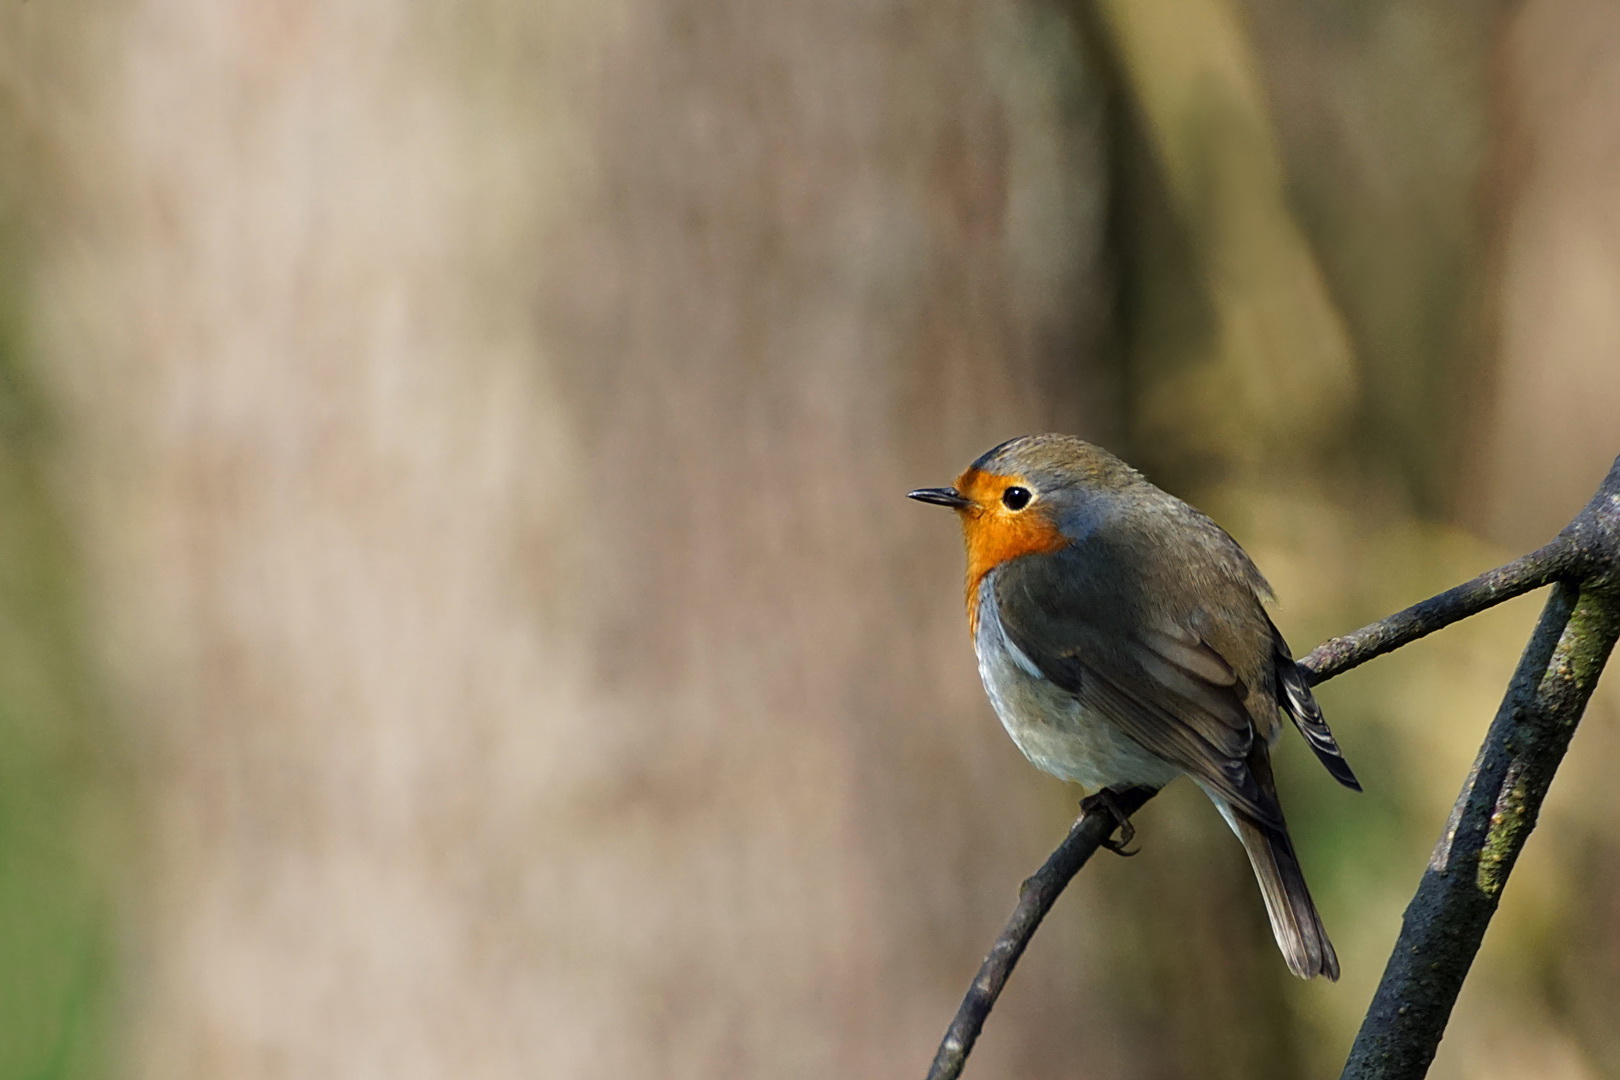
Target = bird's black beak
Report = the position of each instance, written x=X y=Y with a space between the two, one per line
x=941 y=497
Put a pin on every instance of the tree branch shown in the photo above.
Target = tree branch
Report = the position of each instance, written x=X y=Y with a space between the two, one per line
x=1040 y=891
x=1446 y=920
x=1497 y=808
x=1541 y=567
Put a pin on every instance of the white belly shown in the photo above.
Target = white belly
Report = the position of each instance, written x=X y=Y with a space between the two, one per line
x=1050 y=725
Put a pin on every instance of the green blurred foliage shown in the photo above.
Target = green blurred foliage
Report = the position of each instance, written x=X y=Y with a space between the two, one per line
x=64 y=796
x=59 y=794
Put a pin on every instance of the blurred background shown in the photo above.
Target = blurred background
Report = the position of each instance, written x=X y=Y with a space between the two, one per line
x=459 y=615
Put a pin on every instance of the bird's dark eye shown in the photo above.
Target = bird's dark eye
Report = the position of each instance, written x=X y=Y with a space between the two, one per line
x=1016 y=498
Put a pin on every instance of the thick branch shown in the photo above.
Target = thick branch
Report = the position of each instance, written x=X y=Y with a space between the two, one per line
x=1499 y=803
x=1446 y=920
x=1035 y=899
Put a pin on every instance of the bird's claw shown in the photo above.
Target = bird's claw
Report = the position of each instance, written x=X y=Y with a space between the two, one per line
x=1104 y=802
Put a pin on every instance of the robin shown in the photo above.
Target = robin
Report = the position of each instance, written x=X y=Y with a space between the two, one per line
x=1123 y=641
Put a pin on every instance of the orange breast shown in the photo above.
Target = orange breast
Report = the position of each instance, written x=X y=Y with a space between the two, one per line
x=993 y=534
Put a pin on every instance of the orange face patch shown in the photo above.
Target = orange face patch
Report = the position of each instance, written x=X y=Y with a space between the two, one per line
x=993 y=534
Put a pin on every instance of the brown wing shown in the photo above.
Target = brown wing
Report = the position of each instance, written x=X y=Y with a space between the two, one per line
x=1081 y=622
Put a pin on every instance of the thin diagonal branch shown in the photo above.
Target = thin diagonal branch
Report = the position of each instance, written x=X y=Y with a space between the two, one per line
x=1555 y=562
x=1587 y=550
x=1040 y=891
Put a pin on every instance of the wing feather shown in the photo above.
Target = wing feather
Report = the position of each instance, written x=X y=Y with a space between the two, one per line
x=1156 y=663
x=1082 y=618
x=1167 y=734
x=1300 y=705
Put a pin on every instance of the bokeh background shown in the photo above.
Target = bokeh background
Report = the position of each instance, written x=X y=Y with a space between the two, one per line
x=458 y=612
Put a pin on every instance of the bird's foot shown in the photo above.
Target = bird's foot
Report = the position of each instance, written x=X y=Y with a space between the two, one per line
x=1104 y=802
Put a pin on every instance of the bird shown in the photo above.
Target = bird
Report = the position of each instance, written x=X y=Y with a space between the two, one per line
x=1123 y=640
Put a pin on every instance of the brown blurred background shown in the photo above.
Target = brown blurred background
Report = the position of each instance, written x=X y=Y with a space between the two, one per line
x=458 y=612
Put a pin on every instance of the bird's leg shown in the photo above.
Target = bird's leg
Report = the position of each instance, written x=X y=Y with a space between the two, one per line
x=1104 y=802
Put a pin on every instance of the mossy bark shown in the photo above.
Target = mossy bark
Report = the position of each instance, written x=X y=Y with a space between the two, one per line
x=1493 y=817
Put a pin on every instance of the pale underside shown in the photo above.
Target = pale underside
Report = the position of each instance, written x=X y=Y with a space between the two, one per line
x=1053 y=728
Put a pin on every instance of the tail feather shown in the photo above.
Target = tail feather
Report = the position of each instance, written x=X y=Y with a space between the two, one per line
x=1294 y=919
